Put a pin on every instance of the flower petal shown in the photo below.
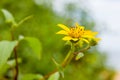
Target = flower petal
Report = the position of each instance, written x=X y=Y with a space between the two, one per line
x=94 y=33
x=67 y=38
x=97 y=39
x=88 y=32
x=74 y=39
x=62 y=32
x=64 y=27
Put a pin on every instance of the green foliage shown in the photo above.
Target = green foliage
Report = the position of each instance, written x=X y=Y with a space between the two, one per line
x=9 y=17
x=6 y=48
x=37 y=59
x=12 y=62
x=35 y=45
x=54 y=76
x=31 y=77
x=79 y=55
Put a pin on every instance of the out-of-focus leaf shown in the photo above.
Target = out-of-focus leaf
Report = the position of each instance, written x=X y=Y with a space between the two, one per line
x=35 y=44
x=54 y=76
x=32 y=77
x=4 y=69
x=6 y=48
x=12 y=62
x=9 y=17
x=79 y=55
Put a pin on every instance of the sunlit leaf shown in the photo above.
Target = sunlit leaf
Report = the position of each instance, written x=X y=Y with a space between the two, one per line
x=54 y=76
x=12 y=62
x=9 y=17
x=6 y=48
x=79 y=55
x=35 y=44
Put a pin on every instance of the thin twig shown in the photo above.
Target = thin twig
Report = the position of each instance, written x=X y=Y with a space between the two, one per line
x=25 y=19
x=16 y=58
x=16 y=66
x=65 y=62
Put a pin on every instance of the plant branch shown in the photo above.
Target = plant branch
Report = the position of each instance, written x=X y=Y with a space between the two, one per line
x=67 y=59
x=16 y=61
x=16 y=57
x=25 y=19
x=65 y=62
x=86 y=48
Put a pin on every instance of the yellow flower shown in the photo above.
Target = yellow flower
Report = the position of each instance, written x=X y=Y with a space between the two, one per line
x=77 y=33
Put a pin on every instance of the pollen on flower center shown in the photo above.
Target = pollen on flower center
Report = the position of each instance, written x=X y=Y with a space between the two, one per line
x=76 y=32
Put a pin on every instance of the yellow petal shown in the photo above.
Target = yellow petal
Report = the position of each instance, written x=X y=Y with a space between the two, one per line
x=88 y=32
x=87 y=36
x=74 y=39
x=64 y=27
x=67 y=38
x=97 y=39
x=95 y=33
x=62 y=32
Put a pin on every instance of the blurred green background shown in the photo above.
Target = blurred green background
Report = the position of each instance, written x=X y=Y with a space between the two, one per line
x=43 y=26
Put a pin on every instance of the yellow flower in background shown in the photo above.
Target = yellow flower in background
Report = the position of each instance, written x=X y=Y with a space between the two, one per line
x=77 y=33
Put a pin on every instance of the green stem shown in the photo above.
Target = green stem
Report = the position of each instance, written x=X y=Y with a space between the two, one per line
x=16 y=57
x=25 y=19
x=65 y=62
x=86 y=48
x=69 y=56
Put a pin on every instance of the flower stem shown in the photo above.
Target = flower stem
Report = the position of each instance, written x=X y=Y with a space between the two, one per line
x=65 y=62
x=69 y=57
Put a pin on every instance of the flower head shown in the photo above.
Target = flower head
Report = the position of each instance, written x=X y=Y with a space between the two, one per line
x=77 y=33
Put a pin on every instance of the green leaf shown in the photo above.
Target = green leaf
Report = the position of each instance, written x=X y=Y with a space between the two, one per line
x=9 y=17
x=35 y=44
x=13 y=63
x=6 y=48
x=79 y=55
x=54 y=76
x=32 y=77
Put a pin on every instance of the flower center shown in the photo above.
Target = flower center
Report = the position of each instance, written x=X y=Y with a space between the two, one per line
x=76 y=32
